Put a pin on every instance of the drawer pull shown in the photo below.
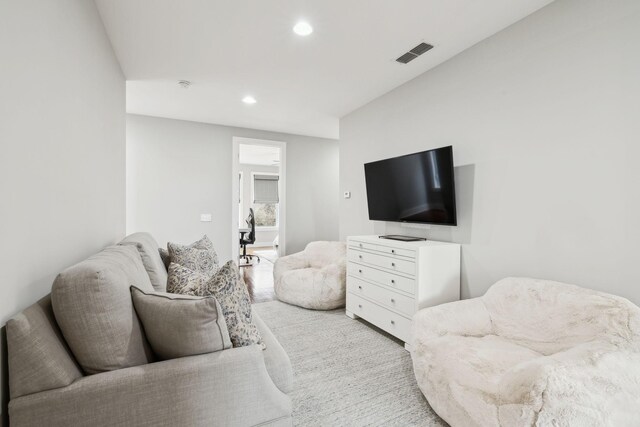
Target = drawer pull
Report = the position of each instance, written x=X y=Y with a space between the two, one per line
x=359 y=271
x=359 y=305
x=393 y=322
x=393 y=301
x=360 y=256
x=393 y=251
x=393 y=282
x=359 y=287
x=360 y=244
x=393 y=264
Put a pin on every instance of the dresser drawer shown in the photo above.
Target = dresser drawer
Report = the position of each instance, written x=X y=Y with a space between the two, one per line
x=382 y=261
x=363 y=245
x=385 y=297
x=389 y=321
x=382 y=249
x=396 y=251
x=395 y=281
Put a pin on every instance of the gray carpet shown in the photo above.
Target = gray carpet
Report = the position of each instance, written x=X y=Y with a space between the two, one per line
x=345 y=372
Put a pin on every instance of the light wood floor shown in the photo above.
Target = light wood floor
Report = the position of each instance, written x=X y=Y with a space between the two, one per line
x=259 y=278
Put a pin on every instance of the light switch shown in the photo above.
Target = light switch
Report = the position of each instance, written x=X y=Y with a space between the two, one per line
x=205 y=217
x=347 y=194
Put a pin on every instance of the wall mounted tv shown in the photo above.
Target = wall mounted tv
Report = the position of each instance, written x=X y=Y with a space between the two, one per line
x=415 y=188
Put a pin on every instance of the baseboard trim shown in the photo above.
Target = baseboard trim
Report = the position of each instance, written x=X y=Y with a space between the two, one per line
x=261 y=245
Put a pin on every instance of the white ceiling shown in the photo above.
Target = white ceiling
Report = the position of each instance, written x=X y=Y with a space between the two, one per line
x=266 y=155
x=303 y=85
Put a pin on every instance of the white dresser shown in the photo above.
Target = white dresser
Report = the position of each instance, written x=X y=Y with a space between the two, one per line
x=388 y=281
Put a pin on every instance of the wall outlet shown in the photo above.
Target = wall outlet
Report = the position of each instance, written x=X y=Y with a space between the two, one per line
x=205 y=217
x=347 y=194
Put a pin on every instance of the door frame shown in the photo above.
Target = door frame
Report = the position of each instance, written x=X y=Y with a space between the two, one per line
x=235 y=188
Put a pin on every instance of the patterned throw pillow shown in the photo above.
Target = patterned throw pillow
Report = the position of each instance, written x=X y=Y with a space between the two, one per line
x=185 y=281
x=199 y=256
x=232 y=294
x=229 y=289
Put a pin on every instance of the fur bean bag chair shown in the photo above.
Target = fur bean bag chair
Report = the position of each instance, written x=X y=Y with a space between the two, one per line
x=531 y=352
x=314 y=278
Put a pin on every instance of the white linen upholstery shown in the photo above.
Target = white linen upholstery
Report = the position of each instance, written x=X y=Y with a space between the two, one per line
x=120 y=385
x=531 y=352
x=314 y=278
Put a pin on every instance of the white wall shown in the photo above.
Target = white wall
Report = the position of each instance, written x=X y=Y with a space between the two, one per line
x=264 y=237
x=177 y=170
x=544 y=120
x=62 y=130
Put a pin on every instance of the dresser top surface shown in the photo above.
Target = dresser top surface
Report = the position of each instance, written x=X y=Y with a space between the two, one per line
x=375 y=239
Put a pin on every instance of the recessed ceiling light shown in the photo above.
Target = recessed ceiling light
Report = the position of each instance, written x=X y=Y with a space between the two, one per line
x=184 y=84
x=249 y=99
x=303 y=28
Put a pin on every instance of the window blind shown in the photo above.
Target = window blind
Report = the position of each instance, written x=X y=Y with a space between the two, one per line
x=265 y=189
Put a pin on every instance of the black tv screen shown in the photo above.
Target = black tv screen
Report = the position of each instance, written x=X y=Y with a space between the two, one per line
x=413 y=188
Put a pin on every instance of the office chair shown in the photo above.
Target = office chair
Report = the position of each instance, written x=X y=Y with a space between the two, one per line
x=248 y=239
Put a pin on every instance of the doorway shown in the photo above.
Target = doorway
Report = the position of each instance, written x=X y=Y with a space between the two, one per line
x=259 y=174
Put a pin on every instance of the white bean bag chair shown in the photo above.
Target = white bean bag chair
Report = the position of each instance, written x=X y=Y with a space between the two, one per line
x=531 y=352
x=314 y=278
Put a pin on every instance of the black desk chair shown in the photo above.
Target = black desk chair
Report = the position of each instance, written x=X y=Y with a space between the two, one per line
x=248 y=239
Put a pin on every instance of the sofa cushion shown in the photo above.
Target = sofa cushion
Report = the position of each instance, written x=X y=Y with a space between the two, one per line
x=466 y=372
x=185 y=281
x=148 y=248
x=199 y=256
x=92 y=305
x=38 y=357
x=181 y=325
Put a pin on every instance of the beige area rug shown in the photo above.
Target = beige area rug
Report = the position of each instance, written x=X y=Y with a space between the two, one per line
x=345 y=372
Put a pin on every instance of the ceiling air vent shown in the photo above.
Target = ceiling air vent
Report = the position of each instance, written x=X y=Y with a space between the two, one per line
x=414 y=53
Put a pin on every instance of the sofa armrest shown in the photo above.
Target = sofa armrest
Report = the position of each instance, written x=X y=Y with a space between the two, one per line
x=467 y=318
x=596 y=373
x=230 y=387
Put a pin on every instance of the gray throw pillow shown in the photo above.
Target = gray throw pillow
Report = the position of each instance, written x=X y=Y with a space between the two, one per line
x=185 y=281
x=199 y=256
x=232 y=294
x=181 y=325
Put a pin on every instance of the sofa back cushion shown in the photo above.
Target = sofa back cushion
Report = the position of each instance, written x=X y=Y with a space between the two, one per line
x=551 y=316
x=92 y=305
x=38 y=357
x=151 y=259
x=320 y=254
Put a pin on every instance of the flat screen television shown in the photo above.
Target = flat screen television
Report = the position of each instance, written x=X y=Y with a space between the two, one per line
x=415 y=188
